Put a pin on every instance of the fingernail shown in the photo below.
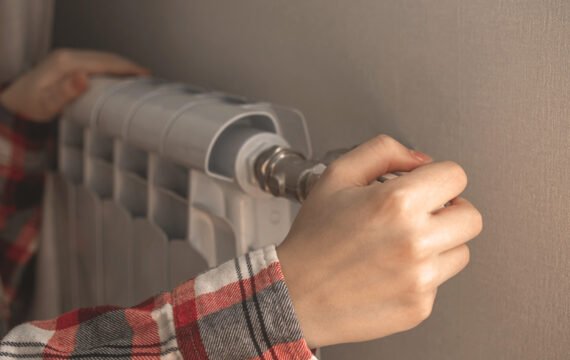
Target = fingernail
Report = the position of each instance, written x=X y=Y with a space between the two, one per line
x=421 y=156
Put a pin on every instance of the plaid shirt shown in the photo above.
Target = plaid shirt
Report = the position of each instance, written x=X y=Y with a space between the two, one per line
x=24 y=159
x=239 y=310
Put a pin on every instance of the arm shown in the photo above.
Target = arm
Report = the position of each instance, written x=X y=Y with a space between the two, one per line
x=239 y=310
x=26 y=136
x=362 y=260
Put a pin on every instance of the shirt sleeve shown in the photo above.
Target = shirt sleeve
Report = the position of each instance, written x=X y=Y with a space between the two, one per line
x=25 y=156
x=239 y=310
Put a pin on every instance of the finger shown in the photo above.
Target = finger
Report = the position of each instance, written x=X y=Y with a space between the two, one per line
x=65 y=91
x=455 y=225
x=374 y=158
x=451 y=262
x=433 y=185
x=96 y=62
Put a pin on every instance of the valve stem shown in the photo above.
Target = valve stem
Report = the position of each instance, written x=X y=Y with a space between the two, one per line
x=283 y=172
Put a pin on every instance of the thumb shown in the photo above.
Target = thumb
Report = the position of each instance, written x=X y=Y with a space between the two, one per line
x=372 y=159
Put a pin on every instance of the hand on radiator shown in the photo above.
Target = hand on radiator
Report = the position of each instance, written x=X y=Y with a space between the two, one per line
x=363 y=260
x=40 y=94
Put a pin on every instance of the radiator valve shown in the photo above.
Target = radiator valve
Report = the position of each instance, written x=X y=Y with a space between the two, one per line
x=283 y=172
x=286 y=173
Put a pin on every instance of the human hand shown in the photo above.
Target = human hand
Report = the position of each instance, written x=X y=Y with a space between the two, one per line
x=40 y=94
x=363 y=259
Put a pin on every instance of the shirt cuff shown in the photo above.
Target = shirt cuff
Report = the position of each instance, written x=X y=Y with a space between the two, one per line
x=29 y=133
x=239 y=310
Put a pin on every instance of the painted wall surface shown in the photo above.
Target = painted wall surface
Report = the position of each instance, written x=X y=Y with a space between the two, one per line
x=485 y=83
x=25 y=34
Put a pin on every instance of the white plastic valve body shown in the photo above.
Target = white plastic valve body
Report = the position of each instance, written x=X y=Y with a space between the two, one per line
x=160 y=184
x=184 y=123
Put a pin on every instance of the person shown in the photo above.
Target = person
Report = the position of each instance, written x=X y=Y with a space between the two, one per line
x=361 y=261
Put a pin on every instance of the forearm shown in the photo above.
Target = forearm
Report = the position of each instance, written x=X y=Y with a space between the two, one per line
x=240 y=310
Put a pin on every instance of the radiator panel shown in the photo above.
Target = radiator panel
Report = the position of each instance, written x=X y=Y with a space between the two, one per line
x=150 y=260
x=140 y=212
x=117 y=254
x=87 y=238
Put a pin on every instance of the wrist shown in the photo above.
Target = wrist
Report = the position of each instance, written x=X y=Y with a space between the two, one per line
x=7 y=101
x=293 y=277
x=36 y=132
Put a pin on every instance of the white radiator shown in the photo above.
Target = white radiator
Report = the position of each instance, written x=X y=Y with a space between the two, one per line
x=155 y=185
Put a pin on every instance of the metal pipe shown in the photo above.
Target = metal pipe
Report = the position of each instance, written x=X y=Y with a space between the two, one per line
x=283 y=172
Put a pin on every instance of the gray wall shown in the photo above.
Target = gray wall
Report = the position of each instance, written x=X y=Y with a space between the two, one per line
x=25 y=34
x=485 y=83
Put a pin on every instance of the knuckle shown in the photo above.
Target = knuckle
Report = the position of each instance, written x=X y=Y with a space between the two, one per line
x=61 y=57
x=334 y=171
x=381 y=143
x=419 y=309
x=423 y=280
x=384 y=140
x=397 y=201
x=412 y=249
x=456 y=172
x=396 y=207
x=423 y=309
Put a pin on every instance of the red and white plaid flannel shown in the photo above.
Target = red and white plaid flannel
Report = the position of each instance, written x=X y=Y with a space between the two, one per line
x=239 y=310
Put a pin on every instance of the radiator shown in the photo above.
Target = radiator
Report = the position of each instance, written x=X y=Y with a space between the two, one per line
x=154 y=186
